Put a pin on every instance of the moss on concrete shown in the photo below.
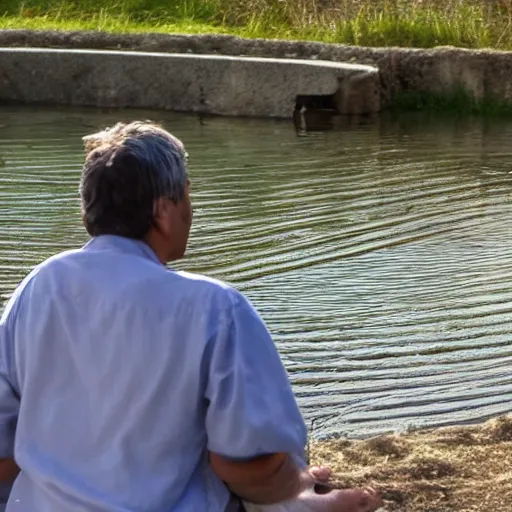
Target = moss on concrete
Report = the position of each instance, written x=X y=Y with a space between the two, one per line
x=459 y=102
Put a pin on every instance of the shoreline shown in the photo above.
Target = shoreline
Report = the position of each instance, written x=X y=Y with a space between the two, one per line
x=447 y=469
x=445 y=79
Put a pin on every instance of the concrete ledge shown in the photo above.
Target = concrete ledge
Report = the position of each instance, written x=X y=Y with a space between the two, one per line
x=237 y=86
x=481 y=73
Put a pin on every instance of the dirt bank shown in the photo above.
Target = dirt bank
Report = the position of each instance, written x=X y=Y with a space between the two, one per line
x=443 y=470
x=482 y=73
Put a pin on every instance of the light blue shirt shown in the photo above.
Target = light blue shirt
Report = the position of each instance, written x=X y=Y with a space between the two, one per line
x=117 y=376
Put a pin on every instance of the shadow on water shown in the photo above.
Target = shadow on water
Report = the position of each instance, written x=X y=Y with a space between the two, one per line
x=379 y=253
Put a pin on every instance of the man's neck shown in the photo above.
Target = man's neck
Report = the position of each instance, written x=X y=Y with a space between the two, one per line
x=156 y=245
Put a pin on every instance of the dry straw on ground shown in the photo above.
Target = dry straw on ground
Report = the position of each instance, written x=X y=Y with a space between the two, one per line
x=459 y=469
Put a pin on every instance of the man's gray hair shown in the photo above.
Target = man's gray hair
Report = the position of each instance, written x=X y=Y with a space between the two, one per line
x=127 y=168
x=153 y=144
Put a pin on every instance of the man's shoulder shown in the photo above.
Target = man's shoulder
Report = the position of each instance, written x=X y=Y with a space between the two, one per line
x=43 y=267
x=64 y=255
x=206 y=289
x=199 y=283
x=49 y=264
x=201 y=280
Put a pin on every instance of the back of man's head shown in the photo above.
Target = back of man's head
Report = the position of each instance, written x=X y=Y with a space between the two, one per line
x=127 y=169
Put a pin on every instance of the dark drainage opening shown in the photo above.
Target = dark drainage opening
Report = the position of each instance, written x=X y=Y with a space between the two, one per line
x=314 y=112
x=314 y=101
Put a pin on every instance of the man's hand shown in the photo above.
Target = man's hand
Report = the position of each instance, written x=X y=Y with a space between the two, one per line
x=262 y=481
x=270 y=479
x=322 y=497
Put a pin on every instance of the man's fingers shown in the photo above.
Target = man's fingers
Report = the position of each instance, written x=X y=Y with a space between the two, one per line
x=322 y=474
x=371 y=500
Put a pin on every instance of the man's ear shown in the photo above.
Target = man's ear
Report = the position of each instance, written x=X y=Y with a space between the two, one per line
x=161 y=215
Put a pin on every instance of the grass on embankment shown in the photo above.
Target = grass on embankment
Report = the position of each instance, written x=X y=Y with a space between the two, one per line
x=411 y=23
x=457 y=102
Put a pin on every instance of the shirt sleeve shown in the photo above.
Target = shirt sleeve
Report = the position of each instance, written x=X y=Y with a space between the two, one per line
x=9 y=399
x=251 y=407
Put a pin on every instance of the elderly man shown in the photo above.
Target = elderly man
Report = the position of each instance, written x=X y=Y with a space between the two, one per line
x=125 y=386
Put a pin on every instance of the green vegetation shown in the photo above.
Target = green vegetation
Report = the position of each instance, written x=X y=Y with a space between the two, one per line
x=459 y=102
x=418 y=23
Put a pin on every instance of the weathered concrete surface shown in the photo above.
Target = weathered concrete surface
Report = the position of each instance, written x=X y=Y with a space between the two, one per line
x=212 y=84
x=484 y=73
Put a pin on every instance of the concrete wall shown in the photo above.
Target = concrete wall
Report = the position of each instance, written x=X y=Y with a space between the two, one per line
x=238 y=86
x=482 y=73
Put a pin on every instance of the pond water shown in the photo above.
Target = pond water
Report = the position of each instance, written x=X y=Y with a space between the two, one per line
x=380 y=255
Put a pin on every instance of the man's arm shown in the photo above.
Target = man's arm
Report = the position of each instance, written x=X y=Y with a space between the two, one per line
x=264 y=480
x=255 y=430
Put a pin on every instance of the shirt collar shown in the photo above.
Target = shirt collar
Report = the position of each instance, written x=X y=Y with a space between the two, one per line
x=122 y=244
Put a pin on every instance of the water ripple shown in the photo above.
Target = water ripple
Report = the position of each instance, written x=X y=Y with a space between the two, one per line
x=379 y=255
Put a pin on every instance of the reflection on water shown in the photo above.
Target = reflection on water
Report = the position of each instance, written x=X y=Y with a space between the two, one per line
x=380 y=255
